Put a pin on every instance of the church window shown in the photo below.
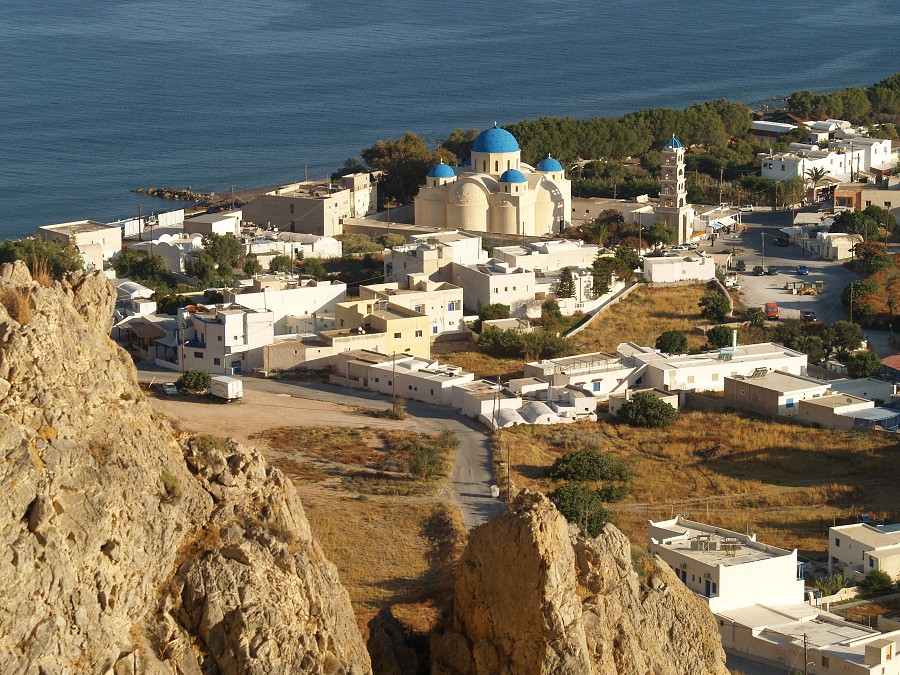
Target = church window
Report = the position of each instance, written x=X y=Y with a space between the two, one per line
x=508 y=164
x=496 y=165
x=484 y=165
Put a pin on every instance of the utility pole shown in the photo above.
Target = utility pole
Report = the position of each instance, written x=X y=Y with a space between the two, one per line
x=232 y=196
x=805 y=656
x=305 y=173
x=851 y=302
x=721 y=174
x=394 y=376
x=762 y=238
x=181 y=337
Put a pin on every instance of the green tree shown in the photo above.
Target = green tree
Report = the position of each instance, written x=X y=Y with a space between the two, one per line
x=878 y=262
x=815 y=176
x=672 y=342
x=169 y=304
x=312 y=267
x=589 y=464
x=856 y=222
x=877 y=582
x=863 y=364
x=252 y=267
x=842 y=337
x=194 y=380
x=225 y=250
x=566 y=288
x=405 y=162
x=714 y=307
x=459 y=142
x=351 y=165
x=495 y=310
x=202 y=268
x=581 y=506
x=629 y=257
x=426 y=461
x=660 y=233
x=719 y=336
x=755 y=316
x=858 y=289
x=881 y=216
x=280 y=263
x=646 y=410
x=550 y=312
x=42 y=256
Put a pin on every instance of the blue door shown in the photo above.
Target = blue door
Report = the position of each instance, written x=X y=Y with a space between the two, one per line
x=707 y=588
x=684 y=576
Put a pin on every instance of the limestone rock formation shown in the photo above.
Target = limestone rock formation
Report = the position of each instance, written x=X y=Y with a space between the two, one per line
x=126 y=549
x=535 y=596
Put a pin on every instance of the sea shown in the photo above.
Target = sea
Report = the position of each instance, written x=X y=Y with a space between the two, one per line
x=100 y=97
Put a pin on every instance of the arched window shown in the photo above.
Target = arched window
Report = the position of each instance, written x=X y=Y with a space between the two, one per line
x=496 y=166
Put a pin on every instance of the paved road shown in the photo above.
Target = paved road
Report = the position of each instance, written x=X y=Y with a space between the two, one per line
x=472 y=473
x=765 y=226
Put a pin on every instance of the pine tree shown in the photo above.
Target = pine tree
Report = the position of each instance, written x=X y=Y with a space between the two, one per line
x=566 y=287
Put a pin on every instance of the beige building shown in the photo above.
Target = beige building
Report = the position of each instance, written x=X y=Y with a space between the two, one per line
x=441 y=302
x=773 y=393
x=497 y=192
x=221 y=223
x=88 y=236
x=617 y=400
x=315 y=207
x=673 y=208
x=318 y=352
x=859 y=548
x=832 y=412
x=406 y=330
x=860 y=195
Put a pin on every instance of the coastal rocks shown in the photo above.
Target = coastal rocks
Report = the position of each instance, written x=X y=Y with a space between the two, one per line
x=535 y=596
x=128 y=549
x=180 y=194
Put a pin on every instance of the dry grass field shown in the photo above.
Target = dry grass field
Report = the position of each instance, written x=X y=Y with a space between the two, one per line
x=644 y=315
x=786 y=482
x=466 y=356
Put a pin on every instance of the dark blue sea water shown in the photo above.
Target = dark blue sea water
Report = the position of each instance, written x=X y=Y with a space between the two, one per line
x=100 y=96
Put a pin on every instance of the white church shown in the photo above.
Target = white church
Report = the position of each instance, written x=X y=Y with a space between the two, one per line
x=497 y=192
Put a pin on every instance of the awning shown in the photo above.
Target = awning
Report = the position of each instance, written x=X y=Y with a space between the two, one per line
x=145 y=331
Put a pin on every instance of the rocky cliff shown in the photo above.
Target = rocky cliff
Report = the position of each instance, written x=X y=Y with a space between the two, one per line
x=534 y=596
x=126 y=549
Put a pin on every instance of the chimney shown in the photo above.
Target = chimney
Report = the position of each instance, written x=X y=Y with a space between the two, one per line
x=734 y=339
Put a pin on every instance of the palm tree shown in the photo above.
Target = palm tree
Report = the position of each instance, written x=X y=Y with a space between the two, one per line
x=815 y=176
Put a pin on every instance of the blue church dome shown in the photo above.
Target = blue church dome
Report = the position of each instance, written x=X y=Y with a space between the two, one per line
x=513 y=176
x=548 y=164
x=674 y=143
x=441 y=171
x=495 y=139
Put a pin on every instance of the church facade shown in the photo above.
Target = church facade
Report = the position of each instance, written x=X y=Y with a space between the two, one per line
x=497 y=192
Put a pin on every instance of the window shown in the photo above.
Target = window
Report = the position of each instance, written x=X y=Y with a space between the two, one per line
x=418 y=333
x=409 y=387
x=219 y=338
x=871 y=562
x=198 y=355
x=714 y=589
x=690 y=379
x=451 y=306
x=397 y=336
x=824 y=661
x=376 y=380
x=417 y=308
x=292 y=208
x=434 y=330
x=887 y=205
x=868 y=202
x=837 y=541
x=789 y=403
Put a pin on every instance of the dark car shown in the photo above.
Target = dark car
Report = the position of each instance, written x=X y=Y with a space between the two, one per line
x=772 y=271
x=741 y=266
x=759 y=270
x=781 y=241
x=808 y=316
x=802 y=270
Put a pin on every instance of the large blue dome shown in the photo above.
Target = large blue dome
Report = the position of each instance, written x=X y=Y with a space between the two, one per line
x=548 y=164
x=441 y=171
x=513 y=176
x=673 y=143
x=495 y=139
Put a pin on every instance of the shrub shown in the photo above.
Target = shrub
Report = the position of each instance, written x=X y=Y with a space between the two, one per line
x=714 y=307
x=581 y=506
x=397 y=411
x=495 y=310
x=719 y=336
x=755 y=316
x=18 y=304
x=646 y=410
x=426 y=461
x=170 y=485
x=194 y=380
x=863 y=364
x=672 y=342
x=830 y=585
x=589 y=465
x=878 y=581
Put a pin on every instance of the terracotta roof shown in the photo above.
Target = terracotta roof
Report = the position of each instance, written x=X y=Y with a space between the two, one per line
x=892 y=362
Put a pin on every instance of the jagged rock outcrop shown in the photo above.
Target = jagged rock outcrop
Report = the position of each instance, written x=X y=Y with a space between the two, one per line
x=535 y=596
x=126 y=550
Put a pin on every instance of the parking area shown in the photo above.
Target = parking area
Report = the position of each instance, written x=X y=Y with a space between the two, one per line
x=756 y=291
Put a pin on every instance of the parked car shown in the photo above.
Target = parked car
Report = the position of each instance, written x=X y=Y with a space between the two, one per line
x=746 y=208
x=772 y=310
x=169 y=389
x=808 y=316
x=781 y=241
x=802 y=270
x=759 y=270
x=772 y=271
x=680 y=247
x=740 y=266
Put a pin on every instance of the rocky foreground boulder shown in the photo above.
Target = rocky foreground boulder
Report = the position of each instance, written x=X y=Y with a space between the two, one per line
x=535 y=596
x=126 y=549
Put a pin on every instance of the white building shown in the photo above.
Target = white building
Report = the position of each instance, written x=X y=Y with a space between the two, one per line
x=441 y=302
x=174 y=249
x=860 y=548
x=598 y=373
x=483 y=399
x=430 y=255
x=727 y=568
x=87 y=236
x=494 y=282
x=221 y=223
x=315 y=207
x=692 y=267
x=843 y=160
x=549 y=255
x=296 y=305
x=222 y=340
x=497 y=192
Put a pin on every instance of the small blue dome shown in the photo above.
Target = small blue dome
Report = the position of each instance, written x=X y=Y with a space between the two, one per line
x=513 y=176
x=548 y=164
x=495 y=139
x=674 y=143
x=441 y=171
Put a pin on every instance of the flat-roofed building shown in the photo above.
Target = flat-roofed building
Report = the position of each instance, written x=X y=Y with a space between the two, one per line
x=406 y=330
x=668 y=269
x=859 y=548
x=483 y=400
x=297 y=305
x=86 y=236
x=773 y=392
x=221 y=223
x=442 y=302
x=727 y=568
x=315 y=207
x=549 y=255
x=597 y=373
x=494 y=282
x=430 y=255
x=617 y=400
x=833 y=412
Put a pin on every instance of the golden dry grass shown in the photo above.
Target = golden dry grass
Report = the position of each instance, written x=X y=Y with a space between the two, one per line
x=483 y=365
x=390 y=553
x=784 y=481
x=644 y=315
x=17 y=302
